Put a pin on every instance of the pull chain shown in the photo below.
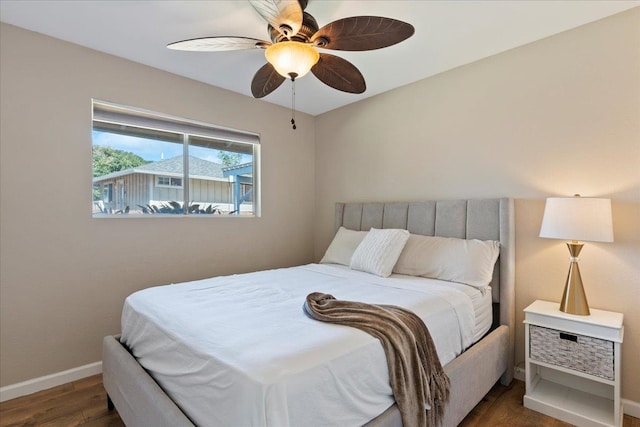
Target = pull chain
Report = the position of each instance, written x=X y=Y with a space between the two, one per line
x=293 y=101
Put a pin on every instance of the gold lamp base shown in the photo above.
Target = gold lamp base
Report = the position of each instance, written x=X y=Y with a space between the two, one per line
x=574 y=300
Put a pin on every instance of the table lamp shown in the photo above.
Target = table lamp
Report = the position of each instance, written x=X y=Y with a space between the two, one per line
x=576 y=219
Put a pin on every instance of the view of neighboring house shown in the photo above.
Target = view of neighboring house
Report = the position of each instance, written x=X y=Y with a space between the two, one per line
x=161 y=182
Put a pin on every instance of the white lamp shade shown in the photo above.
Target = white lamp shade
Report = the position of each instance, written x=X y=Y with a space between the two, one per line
x=292 y=57
x=577 y=218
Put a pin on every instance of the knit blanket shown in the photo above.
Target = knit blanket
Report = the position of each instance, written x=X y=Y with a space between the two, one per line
x=416 y=375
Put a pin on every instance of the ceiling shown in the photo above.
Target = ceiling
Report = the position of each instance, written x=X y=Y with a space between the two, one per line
x=448 y=34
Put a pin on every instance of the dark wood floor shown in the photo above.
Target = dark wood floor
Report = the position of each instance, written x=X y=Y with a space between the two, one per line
x=83 y=403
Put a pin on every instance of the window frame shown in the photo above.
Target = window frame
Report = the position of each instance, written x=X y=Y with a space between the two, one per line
x=107 y=192
x=170 y=184
x=186 y=132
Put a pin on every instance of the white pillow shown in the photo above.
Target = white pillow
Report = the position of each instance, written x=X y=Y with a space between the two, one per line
x=451 y=259
x=342 y=247
x=379 y=251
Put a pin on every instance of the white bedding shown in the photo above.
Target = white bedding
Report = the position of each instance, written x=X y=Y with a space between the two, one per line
x=239 y=351
x=482 y=306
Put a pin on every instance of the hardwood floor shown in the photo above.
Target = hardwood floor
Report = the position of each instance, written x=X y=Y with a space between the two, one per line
x=502 y=406
x=83 y=403
x=80 y=403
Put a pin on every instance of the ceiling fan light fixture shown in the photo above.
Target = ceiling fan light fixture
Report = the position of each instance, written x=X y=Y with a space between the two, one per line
x=292 y=58
x=295 y=37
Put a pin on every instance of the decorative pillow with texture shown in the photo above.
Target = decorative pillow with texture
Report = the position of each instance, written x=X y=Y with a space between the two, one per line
x=451 y=259
x=342 y=247
x=379 y=251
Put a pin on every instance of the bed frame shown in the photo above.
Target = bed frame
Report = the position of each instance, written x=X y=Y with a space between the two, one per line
x=141 y=402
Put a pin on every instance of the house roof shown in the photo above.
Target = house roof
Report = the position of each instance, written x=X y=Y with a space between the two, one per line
x=240 y=166
x=198 y=168
x=244 y=170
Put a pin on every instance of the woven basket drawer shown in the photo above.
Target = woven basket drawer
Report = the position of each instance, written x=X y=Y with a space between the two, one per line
x=578 y=352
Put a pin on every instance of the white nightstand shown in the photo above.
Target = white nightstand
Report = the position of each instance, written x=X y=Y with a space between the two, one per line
x=573 y=364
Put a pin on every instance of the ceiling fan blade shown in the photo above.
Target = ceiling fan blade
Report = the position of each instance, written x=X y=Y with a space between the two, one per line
x=339 y=74
x=265 y=81
x=218 y=44
x=362 y=33
x=283 y=15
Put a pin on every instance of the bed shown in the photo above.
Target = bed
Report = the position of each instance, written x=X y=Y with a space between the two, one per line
x=141 y=401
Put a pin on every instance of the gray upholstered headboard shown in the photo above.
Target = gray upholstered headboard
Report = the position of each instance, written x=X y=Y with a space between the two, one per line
x=484 y=219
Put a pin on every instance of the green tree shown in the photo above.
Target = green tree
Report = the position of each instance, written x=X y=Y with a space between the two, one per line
x=107 y=160
x=229 y=158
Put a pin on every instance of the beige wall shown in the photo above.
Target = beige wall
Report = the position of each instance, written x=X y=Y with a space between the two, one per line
x=556 y=117
x=65 y=275
x=552 y=118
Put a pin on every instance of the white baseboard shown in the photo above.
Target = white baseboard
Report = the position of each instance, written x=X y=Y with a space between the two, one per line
x=42 y=383
x=630 y=407
x=518 y=371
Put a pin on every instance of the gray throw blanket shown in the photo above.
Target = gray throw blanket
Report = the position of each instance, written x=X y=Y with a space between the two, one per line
x=415 y=372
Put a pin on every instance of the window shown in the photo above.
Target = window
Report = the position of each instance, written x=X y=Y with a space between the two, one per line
x=166 y=165
x=167 y=181
x=107 y=192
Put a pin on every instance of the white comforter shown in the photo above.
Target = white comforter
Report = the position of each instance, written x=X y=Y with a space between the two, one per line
x=239 y=351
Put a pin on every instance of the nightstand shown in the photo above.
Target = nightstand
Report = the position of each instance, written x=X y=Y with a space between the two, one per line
x=572 y=364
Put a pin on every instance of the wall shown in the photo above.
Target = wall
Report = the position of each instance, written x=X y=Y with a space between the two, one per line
x=64 y=275
x=555 y=117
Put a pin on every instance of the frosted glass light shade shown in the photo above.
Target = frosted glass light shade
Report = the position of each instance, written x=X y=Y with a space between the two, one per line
x=292 y=58
x=586 y=219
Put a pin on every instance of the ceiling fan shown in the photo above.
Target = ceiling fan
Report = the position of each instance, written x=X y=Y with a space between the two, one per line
x=295 y=35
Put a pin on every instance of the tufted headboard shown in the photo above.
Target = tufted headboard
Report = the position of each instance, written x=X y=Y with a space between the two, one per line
x=484 y=219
